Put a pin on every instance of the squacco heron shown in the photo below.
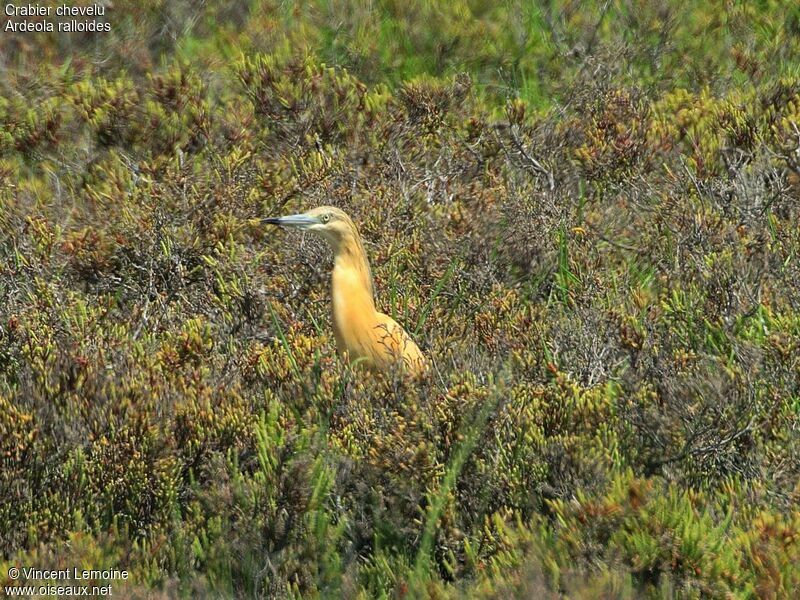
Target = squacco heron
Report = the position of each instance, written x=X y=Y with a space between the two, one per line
x=363 y=335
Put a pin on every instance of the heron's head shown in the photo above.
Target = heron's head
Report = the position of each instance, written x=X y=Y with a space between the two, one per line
x=330 y=222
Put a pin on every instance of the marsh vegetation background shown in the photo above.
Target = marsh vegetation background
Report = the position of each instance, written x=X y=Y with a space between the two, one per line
x=586 y=213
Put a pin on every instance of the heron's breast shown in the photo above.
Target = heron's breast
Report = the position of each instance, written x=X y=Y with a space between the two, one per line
x=353 y=313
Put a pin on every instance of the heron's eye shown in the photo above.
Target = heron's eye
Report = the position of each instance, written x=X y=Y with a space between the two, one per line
x=325 y=218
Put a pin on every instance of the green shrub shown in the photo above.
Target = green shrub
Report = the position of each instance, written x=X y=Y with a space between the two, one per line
x=585 y=213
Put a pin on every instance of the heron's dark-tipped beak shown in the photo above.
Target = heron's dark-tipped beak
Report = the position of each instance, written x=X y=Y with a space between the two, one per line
x=301 y=221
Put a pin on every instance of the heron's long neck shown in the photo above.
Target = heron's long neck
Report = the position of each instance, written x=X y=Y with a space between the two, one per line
x=351 y=273
x=354 y=314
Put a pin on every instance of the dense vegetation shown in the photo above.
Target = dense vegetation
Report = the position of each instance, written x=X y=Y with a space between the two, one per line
x=586 y=212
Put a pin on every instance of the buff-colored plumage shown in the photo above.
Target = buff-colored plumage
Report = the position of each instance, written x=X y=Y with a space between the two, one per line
x=364 y=336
